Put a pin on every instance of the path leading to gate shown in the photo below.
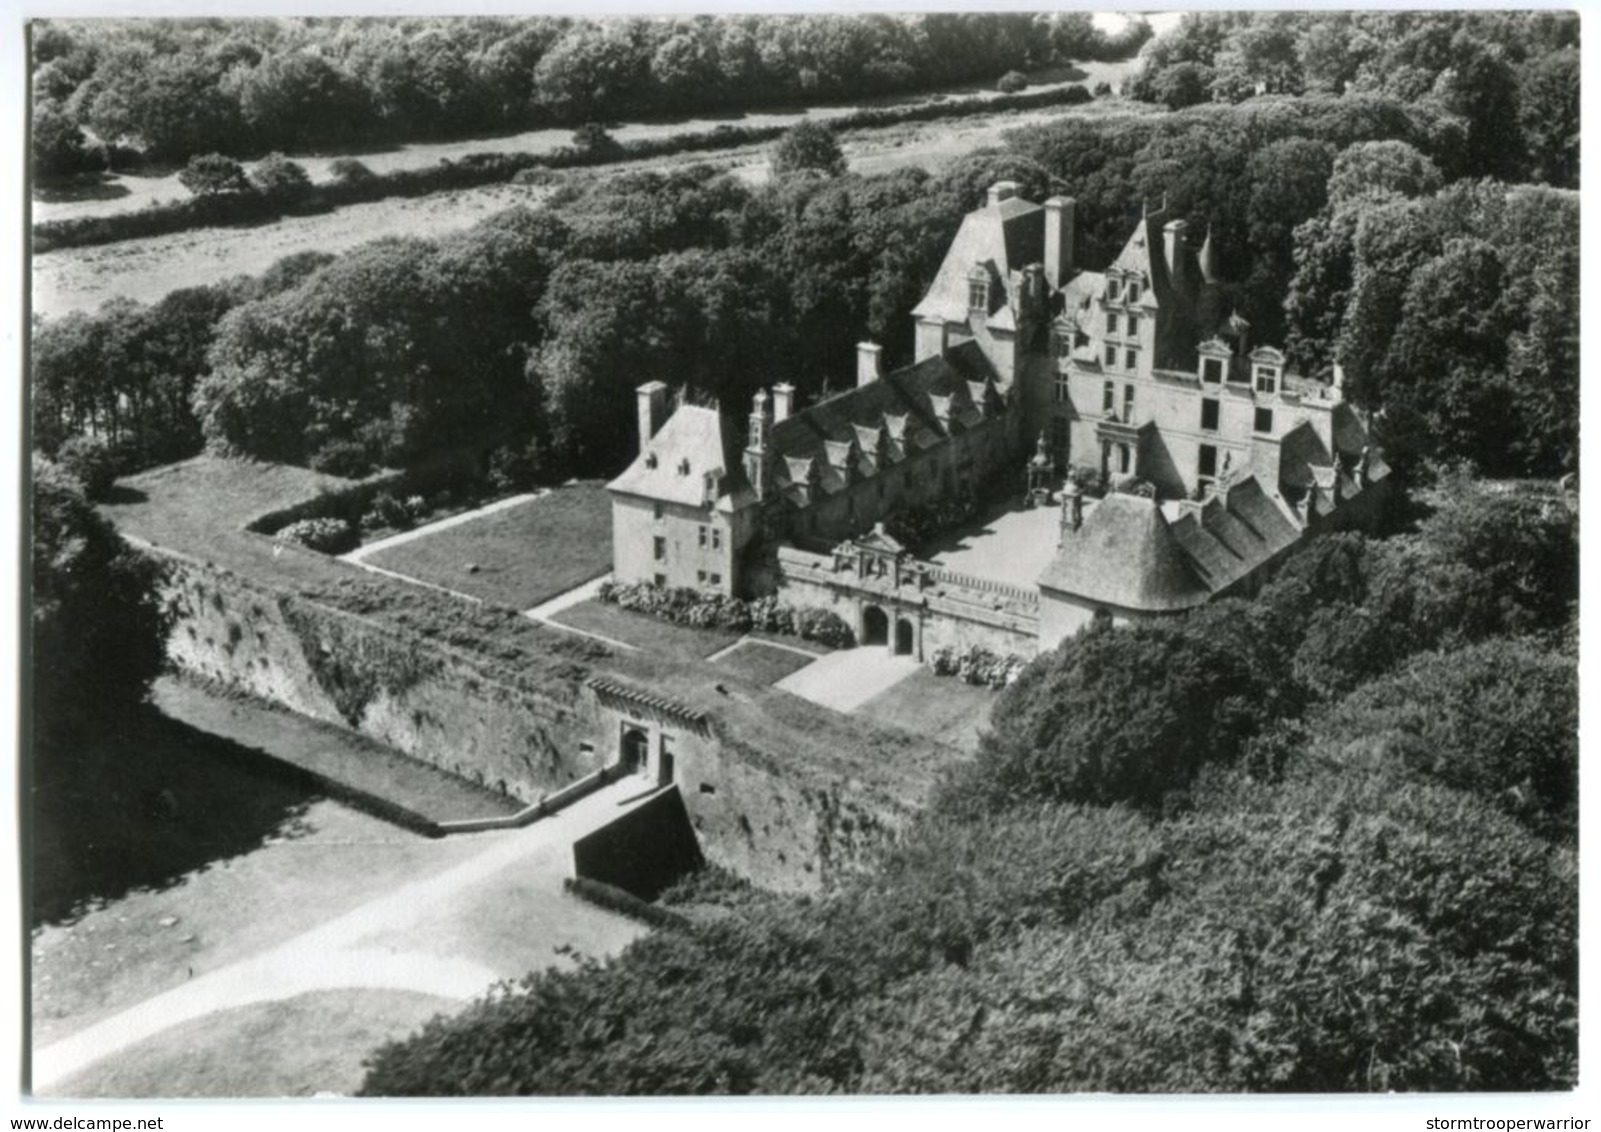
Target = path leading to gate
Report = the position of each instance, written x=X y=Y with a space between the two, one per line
x=391 y=942
x=847 y=678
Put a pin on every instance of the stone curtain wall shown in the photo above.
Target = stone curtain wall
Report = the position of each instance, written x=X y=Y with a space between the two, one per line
x=783 y=826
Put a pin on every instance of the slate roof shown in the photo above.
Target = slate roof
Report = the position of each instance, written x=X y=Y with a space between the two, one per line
x=1004 y=237
x=1124 y=555
x=907 y=405
x=672 y=468
x=1234 y=533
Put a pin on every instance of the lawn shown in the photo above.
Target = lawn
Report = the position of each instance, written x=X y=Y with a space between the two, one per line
x=941 y=707
x=525 y=555
x=648 y=634
x=764 y=663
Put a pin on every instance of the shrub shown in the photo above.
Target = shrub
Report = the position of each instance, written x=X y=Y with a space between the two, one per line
x=1012 y=82
x=823 y=626
x=349 y=171
x=346 y=458
x=326 y=536
x=1103 y=89
x=91 y=461
x=281 y=180
x=212 y=174
x=808 y=146
x=387 y=511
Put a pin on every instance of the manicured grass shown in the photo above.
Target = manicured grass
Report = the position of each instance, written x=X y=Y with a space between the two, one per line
x=649 y=634
x=525 y=555
x=763 y=663
x=941 y=707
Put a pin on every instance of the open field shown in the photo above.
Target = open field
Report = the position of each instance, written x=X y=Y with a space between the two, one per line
x=525 y=554
x=763 y=662
x=940 y=707
x=649 y=634
x=127 y=192
x=145 y=269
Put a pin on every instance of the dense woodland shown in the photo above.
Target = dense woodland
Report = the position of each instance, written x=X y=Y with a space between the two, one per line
x=168 y=90
x=1320 y=840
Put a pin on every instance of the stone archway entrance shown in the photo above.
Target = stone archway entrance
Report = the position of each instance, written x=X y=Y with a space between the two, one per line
x=634 y=751
x=905 y=637
x=875 y=626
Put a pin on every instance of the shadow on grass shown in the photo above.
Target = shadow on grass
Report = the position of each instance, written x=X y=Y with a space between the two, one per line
x=94 y=186
x=122 y=494
x=142 y=808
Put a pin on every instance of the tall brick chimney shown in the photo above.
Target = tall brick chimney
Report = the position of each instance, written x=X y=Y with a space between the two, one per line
x=652 y=410
x=1002 y=190
x=1059 y=221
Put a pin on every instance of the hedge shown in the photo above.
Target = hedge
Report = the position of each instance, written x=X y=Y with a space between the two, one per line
x=703 y=610
x=479 y=169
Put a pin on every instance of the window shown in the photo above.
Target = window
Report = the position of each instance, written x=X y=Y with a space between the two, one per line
x=1080 y=340
x=1264 y=420
x=1133 y=291
x=1133 y=326
x=661 y=549
x=1114 y=289
x=717 y=538
x=1208 y=462
x=1064 y=343
x=756 y=423
x=1108 y=396
x=1111 y=322
x=1064 y=387
x=1212 y=370
x=1267 y=379
x=1209 y=413
x=660 y=511
x=1111 y=355
x=1131 y=359
x=1058 y=440
x=715 y=579
x=703 y=536
x=1128 y=402
x=1123 y=459
x=700 y=576
x=978 y=294
x=661 y=579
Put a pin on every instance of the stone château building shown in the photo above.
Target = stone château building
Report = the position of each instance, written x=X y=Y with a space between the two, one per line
x=1137 y=373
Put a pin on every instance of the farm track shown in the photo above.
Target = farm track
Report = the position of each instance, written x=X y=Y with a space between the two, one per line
x=145 y=269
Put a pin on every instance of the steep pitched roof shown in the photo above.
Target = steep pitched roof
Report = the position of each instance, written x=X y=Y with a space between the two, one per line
x=1125 y=556
x=907 y=404
x=694 y=443
x=1003 y=237
x=1232 y=535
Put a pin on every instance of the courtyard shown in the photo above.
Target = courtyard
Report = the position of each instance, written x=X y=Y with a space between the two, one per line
x=1008 y=543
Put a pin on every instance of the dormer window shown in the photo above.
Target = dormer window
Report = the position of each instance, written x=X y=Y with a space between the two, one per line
x=978 y=290
x=683 y=467
x=1267 y=379
x=650 y=460
x=1114 y=289
x=1133 y=290
x=1212 y=370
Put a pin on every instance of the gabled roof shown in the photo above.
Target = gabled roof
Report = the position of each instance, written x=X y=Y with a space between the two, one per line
x=1125 y=556
x=694 y=443
x=906 y=404
x=1003 y=237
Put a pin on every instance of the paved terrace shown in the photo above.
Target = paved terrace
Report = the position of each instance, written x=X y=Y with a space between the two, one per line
x=1010 y=543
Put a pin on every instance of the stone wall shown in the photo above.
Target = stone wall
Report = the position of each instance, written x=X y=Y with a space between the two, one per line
x=759 y=807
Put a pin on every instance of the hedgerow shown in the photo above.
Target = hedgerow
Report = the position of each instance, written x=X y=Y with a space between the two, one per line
x=699 y=609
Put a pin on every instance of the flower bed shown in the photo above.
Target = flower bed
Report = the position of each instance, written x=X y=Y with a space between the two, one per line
x=978 y=666
x=701 y=610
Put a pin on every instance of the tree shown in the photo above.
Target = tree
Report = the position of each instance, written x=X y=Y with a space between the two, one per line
x=1548 y=110
x=810 y=147
x=281 y=180
x=98 y=622
x=213 y=174
x=57 y=143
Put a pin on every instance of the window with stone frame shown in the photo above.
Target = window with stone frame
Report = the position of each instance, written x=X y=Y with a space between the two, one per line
x=1131 y=359
x=1264 y=421
x=1267 y=379
x=1108 y=396
x=1211 y=409
x=659 y=548
x=1111 y=355
x=978 y=294
x=1111 y=322
x=1128 y=402
x=1058 y=439
x=1212 y=370
x=1063 y=389
x=1206 y=463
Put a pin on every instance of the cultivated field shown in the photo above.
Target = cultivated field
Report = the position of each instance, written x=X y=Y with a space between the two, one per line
x=145 y=269
x=525 y=555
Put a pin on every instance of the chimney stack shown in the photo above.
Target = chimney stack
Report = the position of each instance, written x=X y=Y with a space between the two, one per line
x=869 y=363
x=783 y=401
x=652 y=410
x=1002 y=190
x=1059 y=220
x=1177 y=254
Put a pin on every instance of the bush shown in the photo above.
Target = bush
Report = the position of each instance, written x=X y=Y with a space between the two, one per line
x=387 y=511
x=346 y=458
x=1103 y=89
x=326 y=536
x=91 y=461
x=823 y=626
x=349 y=171
x=213 y=174
x=808 y=146
x=1012 y=82
x=701 y=610
x=979 y=666
x=279 y=179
